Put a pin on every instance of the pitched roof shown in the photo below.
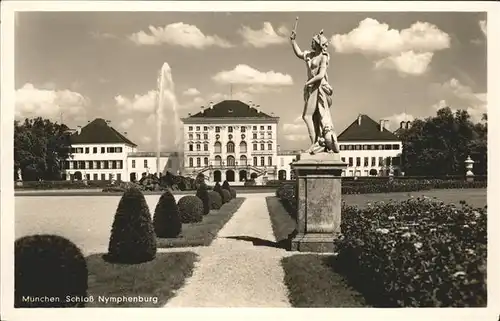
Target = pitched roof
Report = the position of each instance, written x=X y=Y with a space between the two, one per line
x=366 y=130
x=98 y=132
x=231 y=108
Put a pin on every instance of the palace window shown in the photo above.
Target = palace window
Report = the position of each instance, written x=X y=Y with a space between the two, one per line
x=230 y=147
x=217 y=129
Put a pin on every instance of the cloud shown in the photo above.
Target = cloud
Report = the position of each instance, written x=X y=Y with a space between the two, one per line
x=295 y=130
x=178 y=34
x=394 y=121
x=126 y=124
x=141 y=103
x=49 y=103
x=191 y=92
x=409 y=51
x=407 y=62
x=246 y=75
x=483 y=26
x=146 y=139
x=455 y=95
x=264 y=37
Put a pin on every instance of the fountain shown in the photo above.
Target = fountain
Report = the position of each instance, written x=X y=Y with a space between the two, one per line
x=167 y=99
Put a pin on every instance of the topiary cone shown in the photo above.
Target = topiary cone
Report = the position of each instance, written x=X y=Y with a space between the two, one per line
x=167 y=221
x=218 y=189
x=48 y=266
x=202 y=193
x=133 y=239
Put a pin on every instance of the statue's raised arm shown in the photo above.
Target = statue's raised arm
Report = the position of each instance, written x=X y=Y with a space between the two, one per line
x=295 y=46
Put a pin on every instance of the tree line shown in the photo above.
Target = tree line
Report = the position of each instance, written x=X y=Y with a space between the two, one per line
x=434 y=146
x=439 y=145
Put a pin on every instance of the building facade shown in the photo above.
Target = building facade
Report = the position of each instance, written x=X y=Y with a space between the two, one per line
x=140 y=164
x=100 y=152
x=231 y=141
x=370 y=149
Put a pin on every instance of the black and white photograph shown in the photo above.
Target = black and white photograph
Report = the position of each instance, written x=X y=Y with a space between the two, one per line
x=248 y=155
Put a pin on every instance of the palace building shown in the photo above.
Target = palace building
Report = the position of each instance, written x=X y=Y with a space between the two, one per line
x=231 y=141
x=100 y=152
x=370 y=149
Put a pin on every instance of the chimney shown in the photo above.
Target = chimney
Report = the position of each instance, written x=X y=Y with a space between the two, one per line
x=359 y=120
x=401 y=124
x=189 y=114
x=250 y=103
x=382 y=121
x=211 y=105
x=408 y=123
x=125 y=133
x=258 y=108
x=79 y=130
x=202 y=109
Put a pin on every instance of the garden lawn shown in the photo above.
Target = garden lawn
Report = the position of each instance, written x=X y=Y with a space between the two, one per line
x=158 y=278
x=282 y=223
x=204 y=232
x=309 y=278
x=312 y=283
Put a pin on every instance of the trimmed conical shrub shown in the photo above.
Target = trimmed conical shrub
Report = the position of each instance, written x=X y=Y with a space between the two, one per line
x=202 y=194
x=218 y=189
x=48 y=266
x=215 y=200
x=133 y=238
x=225 y=185
x=190 y=209
x=233 y=193
x=167 y=221
x=226 y=196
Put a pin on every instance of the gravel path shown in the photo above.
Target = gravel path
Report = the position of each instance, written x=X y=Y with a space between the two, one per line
x=235 y=272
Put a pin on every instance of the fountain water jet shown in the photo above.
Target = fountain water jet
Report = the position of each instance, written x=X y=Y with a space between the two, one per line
x=167 y=99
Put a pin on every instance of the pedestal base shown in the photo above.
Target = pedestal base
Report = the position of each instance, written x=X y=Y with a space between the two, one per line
x=314 y=242
x=318 y=202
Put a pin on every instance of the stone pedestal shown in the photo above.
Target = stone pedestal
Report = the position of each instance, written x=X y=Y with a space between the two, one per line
x=318 y=201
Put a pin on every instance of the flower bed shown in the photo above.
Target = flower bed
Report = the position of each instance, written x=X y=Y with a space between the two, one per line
x=416 y=253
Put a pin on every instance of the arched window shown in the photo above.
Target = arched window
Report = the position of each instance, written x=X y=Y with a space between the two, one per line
x=190 y=147
x=243 y=147
x=190 y=162
x=198 y=147
x=255 y=161
x=270 y=161
x=243 y=160
x=205 y=161
x=198 y=162
x=218 y=160
x=262 y=161
x=205 y=147
x=230 y=161
x=217 y=147
x=230 y=147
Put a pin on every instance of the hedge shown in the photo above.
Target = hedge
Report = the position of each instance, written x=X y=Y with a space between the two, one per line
x=415 y=253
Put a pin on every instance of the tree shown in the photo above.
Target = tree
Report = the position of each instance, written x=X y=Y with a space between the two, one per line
x=40 y=148
x=439 y=145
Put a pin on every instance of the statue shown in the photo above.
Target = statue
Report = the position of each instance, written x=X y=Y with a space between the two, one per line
x=317 y=95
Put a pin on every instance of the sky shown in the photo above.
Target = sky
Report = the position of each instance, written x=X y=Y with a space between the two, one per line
x=78 y=66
